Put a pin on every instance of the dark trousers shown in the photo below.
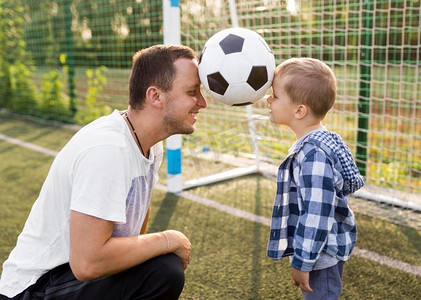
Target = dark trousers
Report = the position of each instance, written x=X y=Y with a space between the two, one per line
x=159 y=278
x=326 y=283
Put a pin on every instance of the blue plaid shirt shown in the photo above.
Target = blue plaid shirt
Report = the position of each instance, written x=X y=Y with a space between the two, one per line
x=311 y=212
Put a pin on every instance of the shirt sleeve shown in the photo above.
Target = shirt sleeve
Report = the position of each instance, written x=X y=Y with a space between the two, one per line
x=101 y=184
x=316 y=189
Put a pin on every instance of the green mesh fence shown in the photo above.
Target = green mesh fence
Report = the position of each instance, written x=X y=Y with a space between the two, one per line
x=70 y=61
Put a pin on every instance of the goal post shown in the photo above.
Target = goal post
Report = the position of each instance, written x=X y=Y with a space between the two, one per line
x=171 y=17
x=336 y=33
x=175 y=184
x=171 y=13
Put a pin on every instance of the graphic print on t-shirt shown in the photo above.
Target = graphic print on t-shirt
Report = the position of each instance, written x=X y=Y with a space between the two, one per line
x=137 y=203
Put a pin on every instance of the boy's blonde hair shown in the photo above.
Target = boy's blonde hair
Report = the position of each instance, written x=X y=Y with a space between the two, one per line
x=310 y=82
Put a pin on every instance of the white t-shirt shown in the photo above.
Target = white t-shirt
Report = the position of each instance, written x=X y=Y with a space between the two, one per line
x=100 y=172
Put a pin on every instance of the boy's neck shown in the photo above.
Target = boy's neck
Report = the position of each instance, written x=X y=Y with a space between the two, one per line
x=302 y=130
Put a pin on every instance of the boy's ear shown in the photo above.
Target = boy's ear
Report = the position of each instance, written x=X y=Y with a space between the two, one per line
x=301 y=111
x=154 y=96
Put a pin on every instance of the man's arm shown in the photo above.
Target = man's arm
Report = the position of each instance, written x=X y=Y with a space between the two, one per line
x=95 y=253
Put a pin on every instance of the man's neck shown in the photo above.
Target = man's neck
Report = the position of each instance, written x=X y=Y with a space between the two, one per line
x=146 y=128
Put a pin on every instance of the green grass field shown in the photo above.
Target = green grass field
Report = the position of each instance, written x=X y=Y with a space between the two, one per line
x=229 y=253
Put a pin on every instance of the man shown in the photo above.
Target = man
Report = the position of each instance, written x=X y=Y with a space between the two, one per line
x=81 y=239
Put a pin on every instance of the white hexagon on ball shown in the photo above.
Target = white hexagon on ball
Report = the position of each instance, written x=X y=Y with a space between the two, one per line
x=236 y=66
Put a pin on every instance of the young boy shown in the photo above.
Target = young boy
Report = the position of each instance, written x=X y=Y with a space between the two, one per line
x=311 y=221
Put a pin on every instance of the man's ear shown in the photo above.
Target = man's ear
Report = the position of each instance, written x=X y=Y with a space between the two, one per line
x=154 y=96
x=301 y=111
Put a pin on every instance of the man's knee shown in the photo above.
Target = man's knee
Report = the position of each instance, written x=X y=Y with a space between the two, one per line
x=161 y=277
x=170 y=271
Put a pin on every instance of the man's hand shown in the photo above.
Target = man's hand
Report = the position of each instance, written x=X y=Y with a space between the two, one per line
x=180 y=245
x=301 y=279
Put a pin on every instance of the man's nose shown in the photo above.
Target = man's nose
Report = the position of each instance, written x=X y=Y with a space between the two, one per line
x=201 y=101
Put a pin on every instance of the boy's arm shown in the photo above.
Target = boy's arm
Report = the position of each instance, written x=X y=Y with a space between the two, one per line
x=316 y=187
x=301 y=279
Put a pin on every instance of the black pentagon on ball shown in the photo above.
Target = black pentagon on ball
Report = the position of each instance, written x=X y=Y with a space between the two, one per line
x=242 y=104
x=217 y=83
x=258 y=77
x=232 y=43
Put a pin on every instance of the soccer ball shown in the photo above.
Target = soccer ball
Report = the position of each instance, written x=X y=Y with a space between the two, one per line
x=236 y=66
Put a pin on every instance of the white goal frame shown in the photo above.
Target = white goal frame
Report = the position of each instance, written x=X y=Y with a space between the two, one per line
x=175 y=184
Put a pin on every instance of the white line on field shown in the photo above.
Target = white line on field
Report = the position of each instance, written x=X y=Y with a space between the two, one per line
x=27 y=145
x=373 y=256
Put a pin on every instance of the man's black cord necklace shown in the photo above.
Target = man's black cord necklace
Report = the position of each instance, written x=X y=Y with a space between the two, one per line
x=134 y=131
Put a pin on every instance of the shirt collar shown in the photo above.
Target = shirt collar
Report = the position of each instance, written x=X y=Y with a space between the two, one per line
x=298 y=143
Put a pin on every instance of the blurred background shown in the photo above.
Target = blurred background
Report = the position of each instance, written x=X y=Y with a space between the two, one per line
x=69 y=61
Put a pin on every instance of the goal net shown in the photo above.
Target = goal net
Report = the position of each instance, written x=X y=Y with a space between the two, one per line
x=373 y=49
x=69 y=61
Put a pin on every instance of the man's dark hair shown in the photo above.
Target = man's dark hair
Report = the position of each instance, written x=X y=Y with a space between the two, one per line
x=154 y=66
